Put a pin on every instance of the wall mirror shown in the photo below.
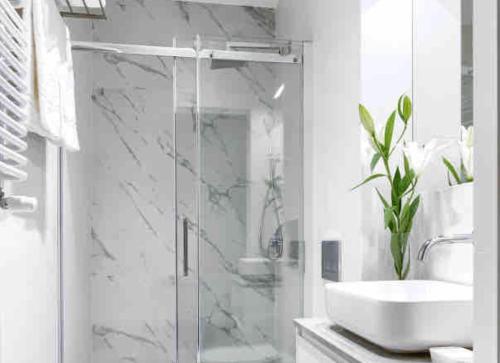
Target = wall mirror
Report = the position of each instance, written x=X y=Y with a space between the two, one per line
x=442 y=75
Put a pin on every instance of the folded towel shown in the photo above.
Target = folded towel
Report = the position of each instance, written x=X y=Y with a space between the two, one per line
x=53 y=113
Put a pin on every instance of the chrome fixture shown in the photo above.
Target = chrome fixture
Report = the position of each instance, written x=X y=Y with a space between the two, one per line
x=283 y=49
x=439 y=240
x=160 y=51
x=273 y=200
x=275 y=247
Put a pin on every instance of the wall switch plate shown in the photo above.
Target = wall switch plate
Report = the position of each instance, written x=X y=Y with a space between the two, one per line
x=331 y=261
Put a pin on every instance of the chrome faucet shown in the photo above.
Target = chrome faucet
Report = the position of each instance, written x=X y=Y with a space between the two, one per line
x=452 y=239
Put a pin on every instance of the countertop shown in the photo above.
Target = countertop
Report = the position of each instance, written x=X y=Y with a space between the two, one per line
x=351 y=347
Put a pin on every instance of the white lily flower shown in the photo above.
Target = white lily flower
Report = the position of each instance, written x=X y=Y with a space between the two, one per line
x=466 y=145
x=419 y=155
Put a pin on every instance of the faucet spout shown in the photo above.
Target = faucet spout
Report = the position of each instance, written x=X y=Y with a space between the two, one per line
x=439 y=240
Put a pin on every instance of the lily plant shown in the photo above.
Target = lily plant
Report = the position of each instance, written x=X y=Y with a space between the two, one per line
x=464 y=173
x=402 y=204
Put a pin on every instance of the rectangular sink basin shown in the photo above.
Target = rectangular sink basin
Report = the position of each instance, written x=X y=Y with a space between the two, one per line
x=403 y=316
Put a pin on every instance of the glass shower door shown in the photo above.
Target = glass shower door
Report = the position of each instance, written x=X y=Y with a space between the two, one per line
x=186 y=175
x=250 y=204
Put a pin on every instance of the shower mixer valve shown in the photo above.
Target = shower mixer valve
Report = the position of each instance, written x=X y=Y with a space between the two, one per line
x=275 y=247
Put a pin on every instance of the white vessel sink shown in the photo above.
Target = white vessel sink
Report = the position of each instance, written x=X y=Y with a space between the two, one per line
x=403 y=316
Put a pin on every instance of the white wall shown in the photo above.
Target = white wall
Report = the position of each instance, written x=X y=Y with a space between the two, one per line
x=28 y=306
x=381 y=62
x=29 y=267
x=332 y=133
x=386 y=74
x=386 y=55
x=486 y=191
x=437 y=69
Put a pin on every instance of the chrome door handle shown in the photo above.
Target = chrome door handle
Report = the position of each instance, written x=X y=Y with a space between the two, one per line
x=185 y=231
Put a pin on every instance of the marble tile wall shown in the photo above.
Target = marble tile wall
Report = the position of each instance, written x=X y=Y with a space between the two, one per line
x=132 y=216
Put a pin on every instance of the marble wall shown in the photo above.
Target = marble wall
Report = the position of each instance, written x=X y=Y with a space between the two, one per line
x=132 y=190
x=132 y=211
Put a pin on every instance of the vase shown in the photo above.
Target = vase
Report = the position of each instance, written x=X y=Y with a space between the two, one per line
x=400 y=254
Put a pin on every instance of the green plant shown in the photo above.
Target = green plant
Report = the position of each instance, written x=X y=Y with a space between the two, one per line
x=464 y=173
x=402 y=205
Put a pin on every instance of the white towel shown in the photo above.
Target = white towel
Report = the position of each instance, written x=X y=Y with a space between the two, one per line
x=53 y=95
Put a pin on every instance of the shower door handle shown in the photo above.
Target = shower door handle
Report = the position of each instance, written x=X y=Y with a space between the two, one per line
x=185 y=231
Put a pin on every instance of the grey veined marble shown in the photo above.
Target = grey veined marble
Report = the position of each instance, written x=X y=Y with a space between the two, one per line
x=249 y=186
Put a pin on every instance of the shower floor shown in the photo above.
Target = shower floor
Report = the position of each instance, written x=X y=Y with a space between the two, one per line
x=264 y=353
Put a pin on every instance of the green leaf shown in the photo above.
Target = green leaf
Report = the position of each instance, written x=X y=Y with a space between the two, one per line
x=366 y=120
x=396 y=201
x=406 y=271
x=407 y=108
x=374 y=161
x=397 y=256
x=370 y=178
x=404 y=108
x=382 y=199
x=408 y=213
x=404 y=218
x=406 y=164
x=408 y=260
x=414 y=206
x=389 y=218
x=396 y=181
x=452 y=170
x=389 y=130
x=406 y=182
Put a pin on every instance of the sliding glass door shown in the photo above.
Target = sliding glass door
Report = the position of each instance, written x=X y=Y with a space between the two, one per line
x=239 y=200
x=190 y=179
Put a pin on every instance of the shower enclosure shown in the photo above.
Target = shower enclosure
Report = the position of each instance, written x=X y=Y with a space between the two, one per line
x=195 y=202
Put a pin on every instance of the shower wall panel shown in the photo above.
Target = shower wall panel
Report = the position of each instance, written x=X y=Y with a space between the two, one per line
x=132 y=214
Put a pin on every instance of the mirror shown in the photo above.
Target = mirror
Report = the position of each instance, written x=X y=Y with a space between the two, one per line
x=442 y=68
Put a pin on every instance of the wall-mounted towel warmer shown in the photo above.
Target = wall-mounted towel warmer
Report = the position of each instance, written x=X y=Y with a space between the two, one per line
x=13 y=94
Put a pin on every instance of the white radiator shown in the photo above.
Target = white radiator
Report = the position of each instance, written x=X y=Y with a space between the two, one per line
x=13 y=93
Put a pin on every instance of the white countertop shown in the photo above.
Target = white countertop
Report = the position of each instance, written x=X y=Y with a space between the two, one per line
x=350 y=346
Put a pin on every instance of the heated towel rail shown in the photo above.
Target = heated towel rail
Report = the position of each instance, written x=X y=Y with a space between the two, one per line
x=13 y=94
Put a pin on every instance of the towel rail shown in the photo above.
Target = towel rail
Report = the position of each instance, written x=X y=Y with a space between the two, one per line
x=16 y=80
